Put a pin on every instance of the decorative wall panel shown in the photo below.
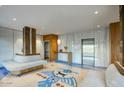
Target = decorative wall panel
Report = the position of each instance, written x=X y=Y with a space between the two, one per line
x=73 y=42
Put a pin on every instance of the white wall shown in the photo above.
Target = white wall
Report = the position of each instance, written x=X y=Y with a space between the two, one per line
x=6 y=44
x=18 y=42
x=73 y=42
x=40 y=46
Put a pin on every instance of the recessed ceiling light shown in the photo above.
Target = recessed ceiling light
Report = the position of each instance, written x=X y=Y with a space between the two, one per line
x=96 y=12
x=98 y=26
x=14 y=19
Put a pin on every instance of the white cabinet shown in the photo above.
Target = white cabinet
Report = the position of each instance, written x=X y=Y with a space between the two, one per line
x=63 y=57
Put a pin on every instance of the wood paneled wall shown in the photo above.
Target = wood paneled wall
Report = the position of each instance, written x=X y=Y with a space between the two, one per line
x=115 y=36
x=33 y=41
x=26 y=40
x=53 y=45
x=29 y=41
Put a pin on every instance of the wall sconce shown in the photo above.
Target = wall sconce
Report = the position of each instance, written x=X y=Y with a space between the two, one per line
x=59 y=41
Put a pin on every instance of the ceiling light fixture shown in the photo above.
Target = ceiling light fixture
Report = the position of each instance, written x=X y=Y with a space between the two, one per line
x=98 y=26
x=14 y=19
x=96 y=12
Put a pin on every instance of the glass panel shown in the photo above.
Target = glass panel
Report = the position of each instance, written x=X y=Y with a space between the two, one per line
x=88 y=50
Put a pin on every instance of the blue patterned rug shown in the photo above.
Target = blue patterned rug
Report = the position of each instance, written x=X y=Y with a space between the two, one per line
x=52 y=78
x=3 y=72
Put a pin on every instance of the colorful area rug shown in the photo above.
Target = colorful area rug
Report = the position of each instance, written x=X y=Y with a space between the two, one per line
x=58 y=78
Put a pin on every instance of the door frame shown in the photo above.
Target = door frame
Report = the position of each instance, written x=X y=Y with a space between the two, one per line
x=48 y=41
x=82 y=40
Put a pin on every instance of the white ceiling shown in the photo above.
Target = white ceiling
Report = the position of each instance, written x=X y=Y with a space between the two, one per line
x=58 y=19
